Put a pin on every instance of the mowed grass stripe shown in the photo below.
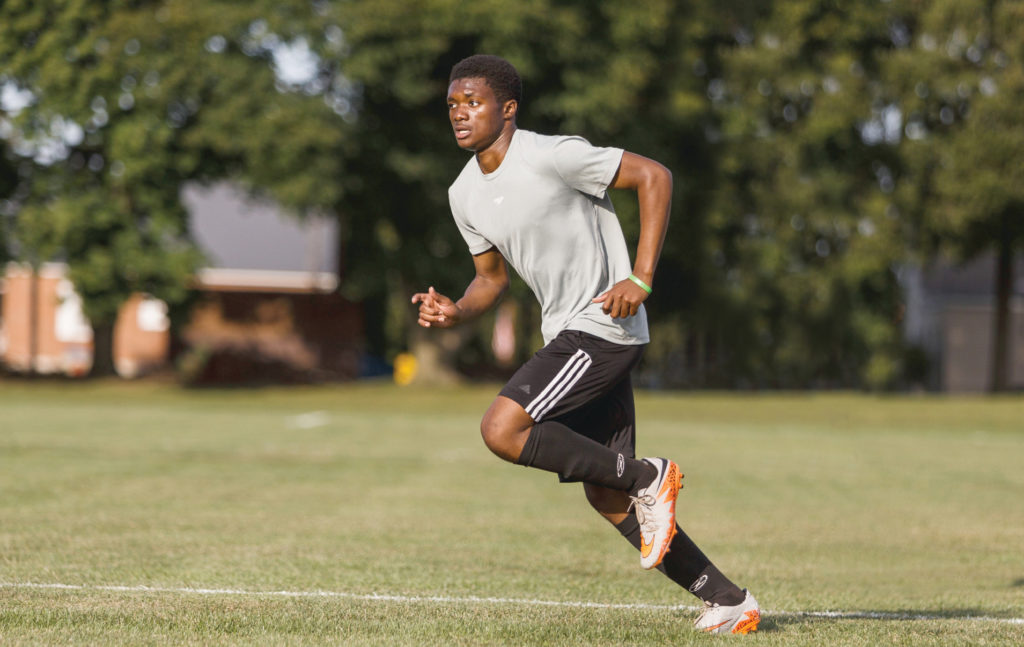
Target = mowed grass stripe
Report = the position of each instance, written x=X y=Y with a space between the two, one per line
x=368 y=597
x=446 y=599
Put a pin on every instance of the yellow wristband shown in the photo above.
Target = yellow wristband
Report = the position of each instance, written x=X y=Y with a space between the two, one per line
x=643 y=285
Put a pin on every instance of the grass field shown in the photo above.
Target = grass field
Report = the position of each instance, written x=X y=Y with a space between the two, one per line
x=371 y=515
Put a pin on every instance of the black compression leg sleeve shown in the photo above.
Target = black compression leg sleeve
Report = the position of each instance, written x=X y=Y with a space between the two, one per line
x=556 y=448
x=686 y=565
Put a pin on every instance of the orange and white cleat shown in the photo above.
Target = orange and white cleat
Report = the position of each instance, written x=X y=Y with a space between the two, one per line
x=740 y=618
x=656 y=511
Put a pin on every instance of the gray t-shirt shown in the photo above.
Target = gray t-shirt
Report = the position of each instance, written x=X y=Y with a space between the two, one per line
x=547 y=211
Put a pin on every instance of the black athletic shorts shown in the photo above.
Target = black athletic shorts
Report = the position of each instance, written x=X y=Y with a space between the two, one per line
x=581 y=381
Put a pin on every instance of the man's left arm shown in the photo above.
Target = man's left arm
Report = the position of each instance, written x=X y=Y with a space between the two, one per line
x=653 y=185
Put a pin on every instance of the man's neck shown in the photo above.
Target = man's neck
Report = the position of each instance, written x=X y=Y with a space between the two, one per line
x=491 y=157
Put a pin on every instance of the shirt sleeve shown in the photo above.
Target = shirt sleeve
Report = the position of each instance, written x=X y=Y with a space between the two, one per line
x=476 y=243
x=585 y=167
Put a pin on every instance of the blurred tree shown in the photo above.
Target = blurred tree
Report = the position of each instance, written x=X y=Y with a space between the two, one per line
x=619 y=73
x=16 y=176
x=805 y=288
x=8 y=187
x=789 y=144
x=130 y=100
x=958 y=85
x=795 y=132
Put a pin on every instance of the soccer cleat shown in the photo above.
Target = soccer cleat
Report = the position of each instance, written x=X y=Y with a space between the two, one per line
x=656 y=511
x=740 y=618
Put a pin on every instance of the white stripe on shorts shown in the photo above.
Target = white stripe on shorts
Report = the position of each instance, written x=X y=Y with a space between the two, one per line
x=558 y=387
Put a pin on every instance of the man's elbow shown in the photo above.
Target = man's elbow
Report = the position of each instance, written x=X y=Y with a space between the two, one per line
x=654 y=176
x=660 y=176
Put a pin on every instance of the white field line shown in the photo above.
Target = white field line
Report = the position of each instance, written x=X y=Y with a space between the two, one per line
x=472 y=599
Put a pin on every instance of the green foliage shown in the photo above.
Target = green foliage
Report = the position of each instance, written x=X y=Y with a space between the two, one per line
x=780 y=262
x=619 y=73
x=8 y=186
x=980 y=181
x=958 y=80
x=803 y=254
x=131 y=100
x=816 y=148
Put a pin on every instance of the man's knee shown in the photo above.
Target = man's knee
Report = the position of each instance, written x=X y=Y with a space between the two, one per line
x=504 y=428
x=495 y=435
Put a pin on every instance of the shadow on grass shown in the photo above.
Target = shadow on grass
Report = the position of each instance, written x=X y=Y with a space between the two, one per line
x=781 y=619
x=773 y=623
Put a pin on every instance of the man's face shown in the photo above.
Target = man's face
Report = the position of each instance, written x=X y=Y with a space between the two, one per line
x=476 y=115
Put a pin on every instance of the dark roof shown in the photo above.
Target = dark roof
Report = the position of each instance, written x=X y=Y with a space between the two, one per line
x=239 y=232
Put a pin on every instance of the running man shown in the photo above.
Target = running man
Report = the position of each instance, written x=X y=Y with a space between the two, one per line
x=540 y=203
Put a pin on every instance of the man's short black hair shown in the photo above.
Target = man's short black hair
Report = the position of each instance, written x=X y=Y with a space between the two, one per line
x=500 y=75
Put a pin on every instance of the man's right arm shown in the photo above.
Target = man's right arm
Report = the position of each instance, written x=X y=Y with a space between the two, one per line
x=486 y=288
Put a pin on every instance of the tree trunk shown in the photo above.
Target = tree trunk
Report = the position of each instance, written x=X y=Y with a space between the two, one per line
x=436 y=352
x=102 y=350
x=1001 y=327
x=33 y=318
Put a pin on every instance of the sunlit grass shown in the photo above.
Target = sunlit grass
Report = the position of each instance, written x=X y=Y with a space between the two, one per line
x=829 y=502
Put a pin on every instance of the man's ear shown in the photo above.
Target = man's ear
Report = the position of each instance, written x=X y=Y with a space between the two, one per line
x=511 y=109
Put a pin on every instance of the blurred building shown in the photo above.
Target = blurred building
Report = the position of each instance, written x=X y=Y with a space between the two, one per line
x=950 y=316
x=41 y=324
x=267 y=306
x=43 y=330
